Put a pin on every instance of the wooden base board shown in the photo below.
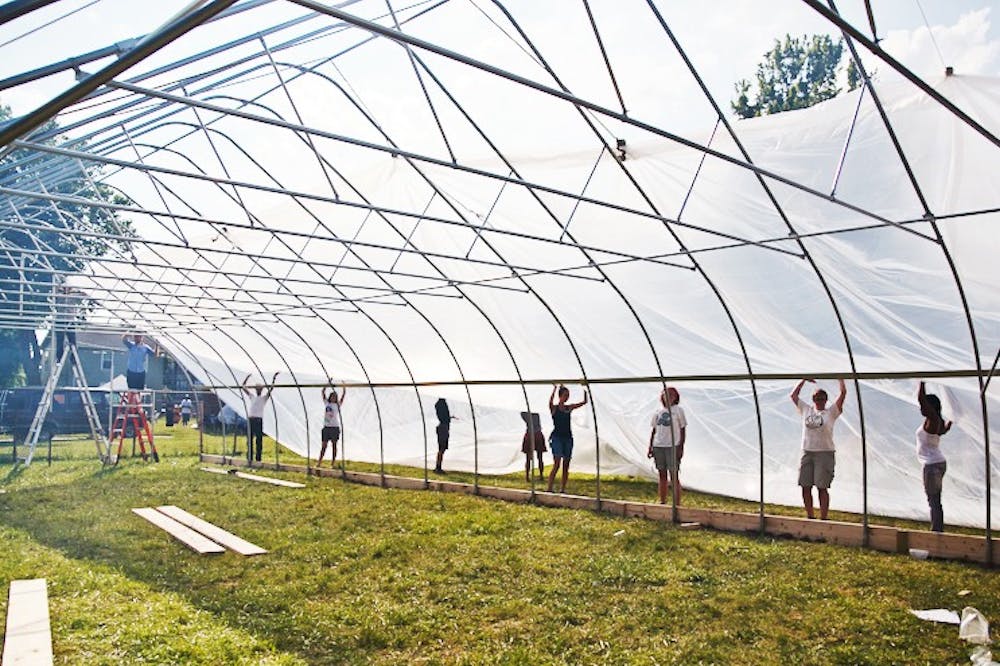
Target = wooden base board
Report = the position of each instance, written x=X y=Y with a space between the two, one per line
x=886 y=539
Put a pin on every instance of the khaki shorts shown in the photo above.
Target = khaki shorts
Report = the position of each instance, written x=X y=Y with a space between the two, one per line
x=664 y=458
x=816 y=469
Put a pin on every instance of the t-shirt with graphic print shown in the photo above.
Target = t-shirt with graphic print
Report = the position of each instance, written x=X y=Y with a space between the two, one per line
x=667 y=420
x=817 y=426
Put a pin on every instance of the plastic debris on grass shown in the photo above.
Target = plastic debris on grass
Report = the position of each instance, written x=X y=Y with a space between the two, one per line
x=975 y=629
x=938 y=615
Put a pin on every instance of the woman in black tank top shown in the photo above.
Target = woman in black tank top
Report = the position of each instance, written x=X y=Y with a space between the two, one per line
x=561 y=439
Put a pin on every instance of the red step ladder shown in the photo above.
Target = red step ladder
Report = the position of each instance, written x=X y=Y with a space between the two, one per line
x=132 y=412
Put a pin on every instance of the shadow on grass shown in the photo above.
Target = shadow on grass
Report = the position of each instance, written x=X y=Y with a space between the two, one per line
x=14 y=472
x=87 y=517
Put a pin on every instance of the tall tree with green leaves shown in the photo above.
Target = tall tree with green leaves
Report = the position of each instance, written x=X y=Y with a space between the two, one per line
x=795 y=74
x=34 y=259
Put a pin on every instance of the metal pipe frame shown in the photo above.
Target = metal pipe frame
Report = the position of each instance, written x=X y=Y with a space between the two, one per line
x=673 y=234
x=806 y=255
x=413 y=159
x=576 y=102
x=960 y=287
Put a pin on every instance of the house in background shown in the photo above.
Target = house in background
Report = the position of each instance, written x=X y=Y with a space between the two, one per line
x=104 y=356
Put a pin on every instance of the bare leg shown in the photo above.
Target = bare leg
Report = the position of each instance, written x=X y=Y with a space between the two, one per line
x=440 y=457
x=807 y=500
x=541 y=466
x=552 y=474
x=322 y=452
x=663 y=485
x=527 y=467
x=565 y=476
x=677 y=489
x=824 y=502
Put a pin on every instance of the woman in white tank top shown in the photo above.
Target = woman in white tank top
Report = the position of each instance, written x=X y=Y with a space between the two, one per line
x=929 y=453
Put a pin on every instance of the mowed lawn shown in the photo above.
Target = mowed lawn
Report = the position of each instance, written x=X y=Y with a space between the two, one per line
x=359 y=574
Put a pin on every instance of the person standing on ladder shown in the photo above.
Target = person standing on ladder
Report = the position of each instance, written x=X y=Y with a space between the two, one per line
x=255 y=417
x=138 y=359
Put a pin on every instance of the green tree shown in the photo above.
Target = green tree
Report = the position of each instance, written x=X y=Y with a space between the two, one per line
x=26 y=279
x=795 y=74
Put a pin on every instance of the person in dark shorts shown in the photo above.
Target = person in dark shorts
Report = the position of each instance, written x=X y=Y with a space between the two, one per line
x=533 y=440
x=443 y=431
x=561 y=439
x=331 y=422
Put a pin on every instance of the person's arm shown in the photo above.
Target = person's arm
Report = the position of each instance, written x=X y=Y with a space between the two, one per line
x=552 y=399
x=842 y=396
x=324 y=393
x=798 y=389
x=270 y=387
x=922 y=396
x=244 y=385
x=125 y=341
x=581 y=403
x=343 y=393
x=652 y=434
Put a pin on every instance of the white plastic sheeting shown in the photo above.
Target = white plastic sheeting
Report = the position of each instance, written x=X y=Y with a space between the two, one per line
x=354 y=222
x=894 y=291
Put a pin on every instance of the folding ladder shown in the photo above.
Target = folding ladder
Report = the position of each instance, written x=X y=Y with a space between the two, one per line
x=71 y=354
x=132 y=411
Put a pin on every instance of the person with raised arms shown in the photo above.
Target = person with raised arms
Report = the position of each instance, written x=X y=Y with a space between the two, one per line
x=929 y=453
x=331 y=422
x=818 y=459
x=561 y=439
x=138 y=361
x=255 y=417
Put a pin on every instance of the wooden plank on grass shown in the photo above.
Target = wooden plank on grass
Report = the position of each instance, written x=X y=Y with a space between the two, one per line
x=213 y=532
x=28 y=636
x=271 y=480
x=193 y=540
x=254 y=477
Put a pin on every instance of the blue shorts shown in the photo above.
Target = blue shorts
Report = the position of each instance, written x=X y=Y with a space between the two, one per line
x=561 y=445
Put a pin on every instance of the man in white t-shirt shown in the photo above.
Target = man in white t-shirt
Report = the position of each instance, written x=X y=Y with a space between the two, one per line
x=186 y=409
x=255 y=417
x=818 y=459
x=666 y=442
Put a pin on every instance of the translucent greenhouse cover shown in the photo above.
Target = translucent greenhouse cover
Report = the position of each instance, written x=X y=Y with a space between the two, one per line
x=893 y=289
x=497 y=239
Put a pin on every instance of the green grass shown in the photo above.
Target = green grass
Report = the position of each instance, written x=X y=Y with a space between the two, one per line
x=360 y=574
x=185 y=441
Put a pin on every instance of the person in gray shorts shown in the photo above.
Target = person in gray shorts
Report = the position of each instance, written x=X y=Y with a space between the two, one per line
x=818 y=458
x=666 y=442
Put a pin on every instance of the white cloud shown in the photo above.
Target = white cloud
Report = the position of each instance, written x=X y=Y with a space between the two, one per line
x=966 y=46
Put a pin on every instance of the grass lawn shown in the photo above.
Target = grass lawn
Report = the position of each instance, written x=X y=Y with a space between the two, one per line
x=360 y=574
